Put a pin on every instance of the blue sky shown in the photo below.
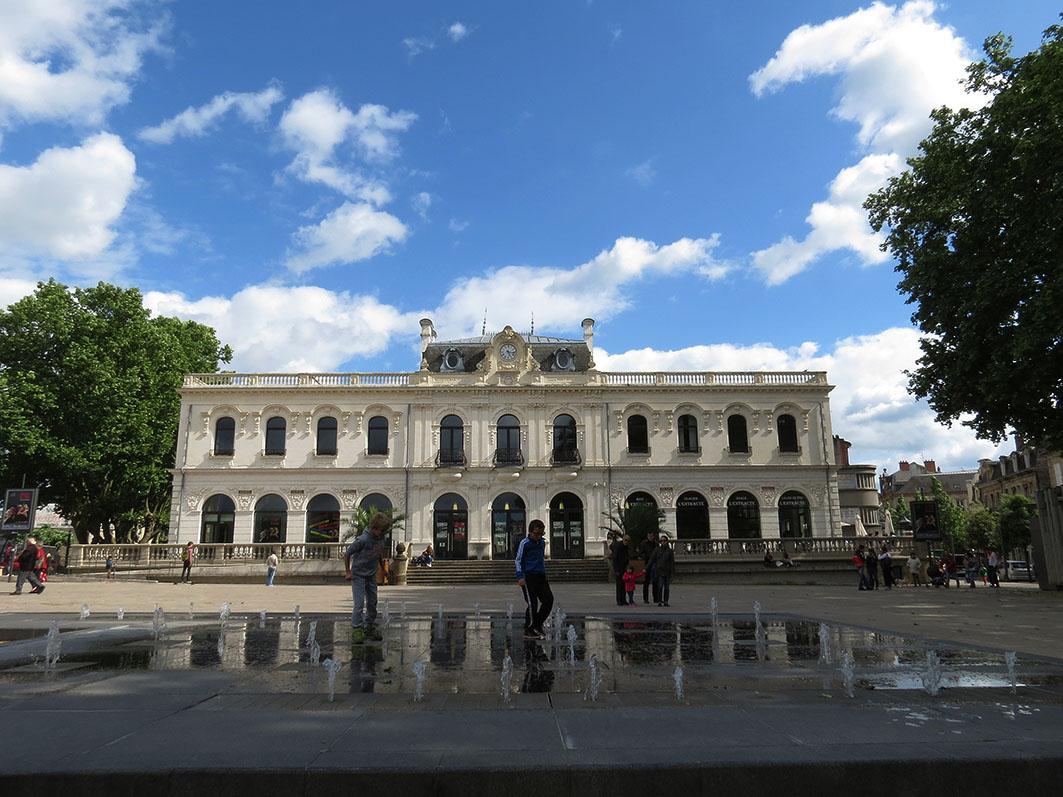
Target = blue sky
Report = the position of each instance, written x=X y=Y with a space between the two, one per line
x=311 y=179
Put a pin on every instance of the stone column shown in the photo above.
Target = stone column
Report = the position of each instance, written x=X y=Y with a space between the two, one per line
x=243 y=527
x=718 y=522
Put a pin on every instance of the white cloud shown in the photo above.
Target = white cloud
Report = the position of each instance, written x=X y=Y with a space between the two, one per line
x=457 y=225
x=13 y=287
x=870 y=405
x=421 y=203
x=561 y=297
x=194 y=122
x=350 y=233
x=894 y=65
x=317 y=124
x=415 y=45
x=643 y=173
x=64 y=205
x=457 y=32
x=278 y=328
x=72 y=60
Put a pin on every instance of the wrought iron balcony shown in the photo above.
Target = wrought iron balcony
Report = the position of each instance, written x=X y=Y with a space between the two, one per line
x=508 y=458
x=565 y=456
x=451 y=458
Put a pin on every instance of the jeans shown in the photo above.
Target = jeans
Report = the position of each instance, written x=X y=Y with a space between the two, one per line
x=186 y=571
x=661 y=583
x=650 y=583
x=621 y=591
x=363 y=589
x=631 y=598
x=271 y=573
x=540 y=601
x=23 y=576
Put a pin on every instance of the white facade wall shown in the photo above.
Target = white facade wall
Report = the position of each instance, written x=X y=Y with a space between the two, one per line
x=415 y=403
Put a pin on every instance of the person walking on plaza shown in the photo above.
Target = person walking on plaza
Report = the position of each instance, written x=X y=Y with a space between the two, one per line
x=915 y=575
x=861 y=567
x=360 y=562
x=531 y=576
x=621 y=558
x=272 y=563
x=871 y=562
x=27 y=563
x=992 y=566
x=970 y=565
x=646 y=549
x=885 y=564
x=663 y=561
x=186 y=561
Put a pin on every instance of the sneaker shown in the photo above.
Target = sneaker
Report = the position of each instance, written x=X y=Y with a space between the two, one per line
x=37 y=590
x=357 y=636
x=666 y=604
x=372 y=633
x=18 y=592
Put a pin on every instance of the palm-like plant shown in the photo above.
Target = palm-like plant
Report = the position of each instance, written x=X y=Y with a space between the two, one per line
x=636 y=520
x=359 y=522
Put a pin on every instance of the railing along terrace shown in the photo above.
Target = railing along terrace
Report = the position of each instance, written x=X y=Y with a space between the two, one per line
x=610 y=379
x=802 y=545
x=205 y=552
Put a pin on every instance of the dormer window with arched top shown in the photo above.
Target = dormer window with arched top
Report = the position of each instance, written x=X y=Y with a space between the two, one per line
x=564 y=361
x=452 y=361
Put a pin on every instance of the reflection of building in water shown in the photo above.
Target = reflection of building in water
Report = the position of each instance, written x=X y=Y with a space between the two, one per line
x=494 y=430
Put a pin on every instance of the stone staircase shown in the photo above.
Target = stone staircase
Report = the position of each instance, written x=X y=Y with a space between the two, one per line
x=501 y=571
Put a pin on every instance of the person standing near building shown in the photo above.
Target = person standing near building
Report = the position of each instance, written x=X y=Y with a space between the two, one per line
x=186 y=561
x=871 y=561
x=646 y=549
x=272 y=563
x=663 y=560
x=885 y=564
x=531 y=576
x=915 y=574
x=993 y=569
x=360 y=562
x=27 y=562
x=621 y=558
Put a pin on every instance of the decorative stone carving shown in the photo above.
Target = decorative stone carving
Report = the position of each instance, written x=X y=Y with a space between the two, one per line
x=656 y=422
x=619 y=421
x=669 y=417
x=717 y=495
x=667 y=493
x=396 y=419
x=296 y=498
x=192 y=501
x=358 y=418
x=719 y=421
x=243 y=422
x=206 y=422
x=756 y=421
x=349 y=499
x=293 y=426
x=615 y=499
x=257 y=423
x=804 y=420
x=767 y=491
x=244 y=499
x=769 y=416
x=309 y=423
x=346 y=419
x=424 y=364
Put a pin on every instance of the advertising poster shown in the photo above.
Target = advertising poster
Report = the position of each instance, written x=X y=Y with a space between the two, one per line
x=925 y=521
x=20 y=506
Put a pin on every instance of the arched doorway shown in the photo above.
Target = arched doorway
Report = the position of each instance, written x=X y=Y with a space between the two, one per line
x=641 y=516
x=743 y=517
x=509 y=522
x=271 y=519
x=691 y=516
x=566 y=527
x=219 y=518
x=323 y=519
x=451 y=527
x=795 y=515
x=372 y=503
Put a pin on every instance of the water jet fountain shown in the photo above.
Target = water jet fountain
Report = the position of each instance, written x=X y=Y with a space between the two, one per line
x=331 y=668
x=506 y=681
x=932 y=675
x=848 y=673
x=420 y=668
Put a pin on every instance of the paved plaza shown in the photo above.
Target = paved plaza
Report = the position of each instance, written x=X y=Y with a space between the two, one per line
x=124 y=713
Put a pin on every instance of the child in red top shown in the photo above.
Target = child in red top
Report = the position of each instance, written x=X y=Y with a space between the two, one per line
x=629 y=578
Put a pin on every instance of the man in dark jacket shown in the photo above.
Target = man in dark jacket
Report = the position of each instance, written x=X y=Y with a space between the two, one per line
x=663 y=561
x=646 y=549
x=531 y=576
x=27 y=563
x=621 y=558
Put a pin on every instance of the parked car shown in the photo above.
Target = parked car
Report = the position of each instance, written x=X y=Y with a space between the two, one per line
x=1018 y=570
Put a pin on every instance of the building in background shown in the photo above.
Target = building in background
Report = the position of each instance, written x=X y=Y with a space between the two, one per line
x=857 y=494
x=493 y=431
x=913 y=480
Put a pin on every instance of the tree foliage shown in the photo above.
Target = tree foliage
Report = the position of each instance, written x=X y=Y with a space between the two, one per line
x=89 y=403
x=635 y=520
x=983 y=532
x=952 y=519
x=359 y=521
x=1016 y=511
x=976 y=227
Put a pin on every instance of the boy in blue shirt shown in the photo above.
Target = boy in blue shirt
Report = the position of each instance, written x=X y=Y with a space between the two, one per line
x=531 y=575
x=360 y=564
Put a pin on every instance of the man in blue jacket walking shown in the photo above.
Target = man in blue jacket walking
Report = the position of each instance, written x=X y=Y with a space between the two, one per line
x=531 y=575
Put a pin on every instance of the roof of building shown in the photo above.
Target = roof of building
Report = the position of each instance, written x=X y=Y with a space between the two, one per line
x=950 y=482
x=472 y=352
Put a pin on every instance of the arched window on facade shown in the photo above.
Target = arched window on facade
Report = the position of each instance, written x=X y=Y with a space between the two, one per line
x=688 y=434
x=323 y=519
x=276 y=429
x=565 y=449
x=507 y=442
x=795 y=516
x=326 y=436
x=225 y=437
x=638 y=436
x=508 y=525
x=372 y=503
x=743 y=517
x=691 y=516
x=451 y=441
x=737 y=436
x=378 y=435
x=271 y=519
x=641 y=515
x=450 y=537
x=219 y=517
x=566 y=527
x=787 y=429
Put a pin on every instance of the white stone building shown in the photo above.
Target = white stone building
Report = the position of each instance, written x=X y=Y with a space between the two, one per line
x=493 y=431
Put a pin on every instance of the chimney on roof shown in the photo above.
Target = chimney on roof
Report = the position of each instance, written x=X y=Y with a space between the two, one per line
x=841 y=451
x=428 y=333
x=904 y=466
x=1019 y=442
x=588 y=333
x=930 y=465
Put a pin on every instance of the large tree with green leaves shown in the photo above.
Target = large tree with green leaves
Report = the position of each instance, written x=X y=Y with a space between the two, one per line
x=1016 y=512
x=952 y=519
x=976 y=227
x=89 y=403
